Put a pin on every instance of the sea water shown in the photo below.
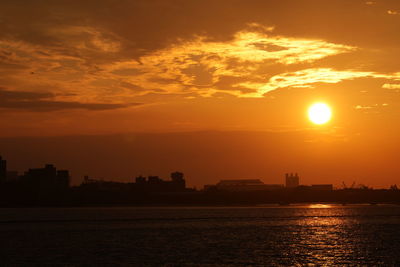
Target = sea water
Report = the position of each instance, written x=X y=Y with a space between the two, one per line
x=295 y=235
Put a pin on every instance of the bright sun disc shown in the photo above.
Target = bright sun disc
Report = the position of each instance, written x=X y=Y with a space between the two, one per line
x=319 y=113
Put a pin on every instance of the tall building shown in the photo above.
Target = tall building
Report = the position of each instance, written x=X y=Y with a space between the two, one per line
x=3 y=170
x=292 y=180
x=47 y=178
x=178 y=181
x=177 y=176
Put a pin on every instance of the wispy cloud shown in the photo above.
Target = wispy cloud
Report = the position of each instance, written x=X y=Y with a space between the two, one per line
x=374 y=107
x=391 y=86
x=308 y=77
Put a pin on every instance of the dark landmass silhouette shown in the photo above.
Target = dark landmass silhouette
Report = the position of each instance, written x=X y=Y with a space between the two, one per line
x=51 y=187
x=129 y=194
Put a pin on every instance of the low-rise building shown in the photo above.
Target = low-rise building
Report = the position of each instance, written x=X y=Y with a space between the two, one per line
x=156 y=184
x=236 y=185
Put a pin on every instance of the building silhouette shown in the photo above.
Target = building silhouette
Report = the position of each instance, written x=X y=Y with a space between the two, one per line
x=140 y=180
x=12 y=176
x=141 y=184
x=292 y=180
x=178 y=179
x=327 y=187
x=47 y=178
x=3 y=170
x=243 y=185
x=156 y=184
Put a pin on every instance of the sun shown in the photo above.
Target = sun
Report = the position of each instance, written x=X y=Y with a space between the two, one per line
x=319 y=113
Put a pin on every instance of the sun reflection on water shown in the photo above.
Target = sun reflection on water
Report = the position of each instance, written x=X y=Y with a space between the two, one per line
x=319 y=206
x=323 y=235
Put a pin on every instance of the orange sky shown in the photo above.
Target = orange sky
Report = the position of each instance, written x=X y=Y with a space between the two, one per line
x=239 y=70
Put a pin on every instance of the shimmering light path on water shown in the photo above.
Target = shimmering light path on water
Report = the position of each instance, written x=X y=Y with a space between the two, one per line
x=309 y=234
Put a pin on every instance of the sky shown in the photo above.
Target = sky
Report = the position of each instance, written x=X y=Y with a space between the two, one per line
x=222 y=87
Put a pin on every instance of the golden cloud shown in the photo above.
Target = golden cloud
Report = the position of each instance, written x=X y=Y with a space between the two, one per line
x=197 y=65
x=90 y=65
x=392 y=12
x=391 y=86
x=308 y=77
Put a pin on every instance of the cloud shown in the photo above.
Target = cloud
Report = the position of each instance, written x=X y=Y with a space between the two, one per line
x=201 y=66
x=308 y=77
x=33 y=101
x=6 y=96
x=392 y=12
x=391 y=86
x=242 y=66
x=369 y=107
x=363 y=107
x=252 y=62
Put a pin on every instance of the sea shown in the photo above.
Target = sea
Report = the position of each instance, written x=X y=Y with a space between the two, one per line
x=271 y=235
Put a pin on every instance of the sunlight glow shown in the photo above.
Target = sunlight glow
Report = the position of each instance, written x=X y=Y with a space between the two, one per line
x=319 y=206
x=319 y=113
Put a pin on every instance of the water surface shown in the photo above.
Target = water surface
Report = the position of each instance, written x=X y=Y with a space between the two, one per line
x=269 y=235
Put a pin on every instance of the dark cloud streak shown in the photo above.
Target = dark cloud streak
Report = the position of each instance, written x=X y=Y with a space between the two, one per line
x=41 y=102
